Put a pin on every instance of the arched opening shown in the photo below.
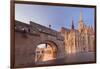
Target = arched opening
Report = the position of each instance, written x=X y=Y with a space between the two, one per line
x=45 y=52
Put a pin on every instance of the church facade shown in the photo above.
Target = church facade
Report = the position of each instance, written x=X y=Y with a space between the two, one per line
x=79 y=40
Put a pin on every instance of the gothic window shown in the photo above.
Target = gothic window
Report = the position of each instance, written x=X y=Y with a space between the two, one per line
x=72 y=42
x=83 y=40
x=81 y=30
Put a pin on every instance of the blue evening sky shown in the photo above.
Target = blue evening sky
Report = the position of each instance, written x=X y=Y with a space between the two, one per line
x=56 y=16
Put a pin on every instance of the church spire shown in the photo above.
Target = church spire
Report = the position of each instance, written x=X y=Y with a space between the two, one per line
x=80 y=19
x=81 y=25
x=72 y=26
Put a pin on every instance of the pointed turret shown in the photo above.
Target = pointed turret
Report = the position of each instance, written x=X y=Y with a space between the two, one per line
x=81 y=25
x=81 y=19
x=72 y=26
x=92 y=30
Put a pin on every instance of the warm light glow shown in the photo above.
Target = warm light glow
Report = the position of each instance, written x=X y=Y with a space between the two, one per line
x=48 y=53
x=45 y=52
x=71 y=50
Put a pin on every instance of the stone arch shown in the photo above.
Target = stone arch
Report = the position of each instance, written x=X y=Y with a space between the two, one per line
x=52 y=46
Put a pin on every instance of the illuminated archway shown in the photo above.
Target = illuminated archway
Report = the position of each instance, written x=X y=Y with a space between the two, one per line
x=45 y=51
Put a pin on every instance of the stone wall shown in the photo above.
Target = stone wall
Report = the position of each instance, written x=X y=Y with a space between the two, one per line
x=28 y=36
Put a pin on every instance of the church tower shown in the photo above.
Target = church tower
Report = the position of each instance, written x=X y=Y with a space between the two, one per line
x=80 y=26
